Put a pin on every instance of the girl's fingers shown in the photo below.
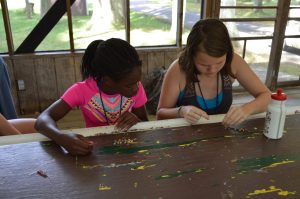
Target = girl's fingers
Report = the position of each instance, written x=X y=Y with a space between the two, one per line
x=125 y=125
x=84 y=139
x=81 y=151
x=84 y=143
x=229 y=113
x=192 y=120
x=194 y=116
x=240 y=120
x=235 y=116
x=128 y=121
x=201 y=113
x=120 y=121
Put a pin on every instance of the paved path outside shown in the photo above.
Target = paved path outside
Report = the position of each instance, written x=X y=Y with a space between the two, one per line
x=163 y=11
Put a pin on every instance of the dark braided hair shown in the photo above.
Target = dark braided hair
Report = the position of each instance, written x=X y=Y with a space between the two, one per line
x=87 y=59
x=208 y=36
x=114 y=58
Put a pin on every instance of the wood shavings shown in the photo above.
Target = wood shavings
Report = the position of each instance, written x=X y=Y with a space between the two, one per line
x=238 y=130
x=124 y=141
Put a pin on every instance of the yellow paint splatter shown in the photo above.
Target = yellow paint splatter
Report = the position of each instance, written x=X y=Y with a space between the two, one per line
x=143 y=167
x=199 y=170
x=91 y=166
x=167 y=155
x=85 y=166
x=135 y=184
x=232 y=177
x=228 y=136
x=284 y=131
x=204 y=140
x=187 y=145
x=104 y=175
x=157 y=142
x=142 y=151
x=270 y=190
x=103 y=187
x=165 y=176
x=279 y=163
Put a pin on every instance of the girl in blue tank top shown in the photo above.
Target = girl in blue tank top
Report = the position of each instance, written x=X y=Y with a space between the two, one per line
x=199 y=82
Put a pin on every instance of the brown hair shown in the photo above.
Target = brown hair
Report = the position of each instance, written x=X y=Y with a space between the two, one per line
x=210 y=36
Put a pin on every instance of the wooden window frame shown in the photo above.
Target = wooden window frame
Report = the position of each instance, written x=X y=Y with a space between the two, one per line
x=210 y=9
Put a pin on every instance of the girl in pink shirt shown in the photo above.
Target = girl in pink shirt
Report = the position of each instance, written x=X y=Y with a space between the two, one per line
x=110 y=94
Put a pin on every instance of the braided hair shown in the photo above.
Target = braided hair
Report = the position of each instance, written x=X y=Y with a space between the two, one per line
x=114 y=58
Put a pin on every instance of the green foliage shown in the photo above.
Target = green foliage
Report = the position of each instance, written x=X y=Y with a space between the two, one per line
x=147 y=23
x=58 y=38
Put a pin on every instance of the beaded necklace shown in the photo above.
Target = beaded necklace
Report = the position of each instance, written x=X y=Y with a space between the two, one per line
x=102 y=103
x=204 y=101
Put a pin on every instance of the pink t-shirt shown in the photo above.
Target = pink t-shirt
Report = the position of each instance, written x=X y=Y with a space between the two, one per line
x=86 y=96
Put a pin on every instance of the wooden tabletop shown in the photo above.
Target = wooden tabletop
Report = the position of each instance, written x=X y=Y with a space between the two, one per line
x=202 y=161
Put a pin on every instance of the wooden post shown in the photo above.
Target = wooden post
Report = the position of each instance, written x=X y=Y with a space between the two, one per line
x=277 y=43
x=69 y=13
x=212 y=9
x=127 y=20
x=179 y=23
x=7 y=27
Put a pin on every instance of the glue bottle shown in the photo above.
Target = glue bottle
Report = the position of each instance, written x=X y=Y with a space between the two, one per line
x=275 y=116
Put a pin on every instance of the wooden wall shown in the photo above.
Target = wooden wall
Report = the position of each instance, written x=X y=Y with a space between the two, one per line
x=47 y=76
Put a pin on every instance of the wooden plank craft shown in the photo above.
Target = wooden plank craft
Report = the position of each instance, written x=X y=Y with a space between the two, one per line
x=201 y=161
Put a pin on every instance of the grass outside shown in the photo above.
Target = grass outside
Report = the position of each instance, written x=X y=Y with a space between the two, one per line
x=58 y=38
x=141 y=24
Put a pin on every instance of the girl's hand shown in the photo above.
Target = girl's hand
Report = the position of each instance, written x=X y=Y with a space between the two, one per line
x=126 y=121
x=192 y=114
x=75 y=144
x=235 y=115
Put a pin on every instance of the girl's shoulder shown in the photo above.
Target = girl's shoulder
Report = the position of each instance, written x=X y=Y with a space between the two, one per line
x=175 y=70
x=176 y=75
x=88 y=84
x=237 y=62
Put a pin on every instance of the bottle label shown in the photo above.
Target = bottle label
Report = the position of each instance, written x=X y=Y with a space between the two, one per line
x=275 y=119
x=267 y=122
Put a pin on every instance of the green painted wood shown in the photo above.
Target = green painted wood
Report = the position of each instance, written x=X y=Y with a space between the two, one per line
x=204 y=161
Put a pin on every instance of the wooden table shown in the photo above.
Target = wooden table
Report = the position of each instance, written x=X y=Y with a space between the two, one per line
x=202 y=161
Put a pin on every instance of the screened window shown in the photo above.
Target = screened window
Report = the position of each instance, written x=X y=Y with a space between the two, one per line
x=290 y=59
x=251 y=26
x=3 y=42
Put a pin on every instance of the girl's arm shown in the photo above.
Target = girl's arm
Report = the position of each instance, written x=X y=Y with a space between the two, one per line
x=46 y=124
x=128 y=119
x=6 y=128
x=169 y=93
x=249 y=80
x=24 y=125
x=173 y=83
